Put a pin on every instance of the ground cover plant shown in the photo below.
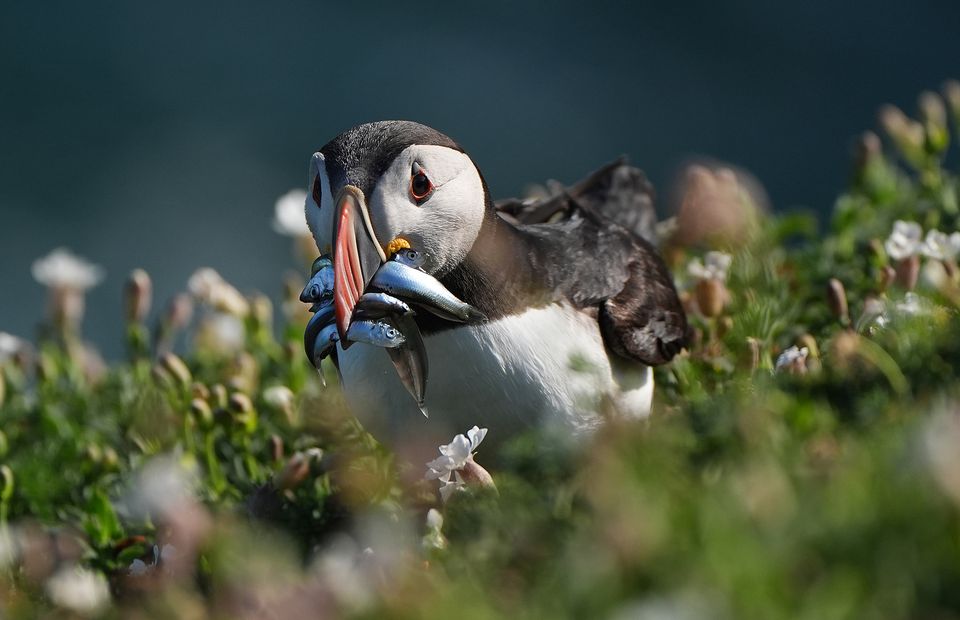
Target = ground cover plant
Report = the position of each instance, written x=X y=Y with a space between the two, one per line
x=802 y=460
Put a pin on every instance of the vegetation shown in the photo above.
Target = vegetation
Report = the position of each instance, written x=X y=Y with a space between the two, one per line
x=802 y=460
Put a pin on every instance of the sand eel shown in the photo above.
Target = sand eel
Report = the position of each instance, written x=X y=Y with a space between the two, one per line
x=575 y=310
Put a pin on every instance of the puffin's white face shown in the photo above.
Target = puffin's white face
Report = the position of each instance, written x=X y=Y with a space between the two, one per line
x=432 y=196
x=320 y=227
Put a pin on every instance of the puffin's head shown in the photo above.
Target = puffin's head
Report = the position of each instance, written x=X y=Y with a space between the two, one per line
x=390 y=184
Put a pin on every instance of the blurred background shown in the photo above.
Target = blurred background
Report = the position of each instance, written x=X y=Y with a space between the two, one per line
x=160 y=135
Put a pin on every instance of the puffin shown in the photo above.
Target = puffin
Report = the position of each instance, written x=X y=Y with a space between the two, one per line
x=578 y=305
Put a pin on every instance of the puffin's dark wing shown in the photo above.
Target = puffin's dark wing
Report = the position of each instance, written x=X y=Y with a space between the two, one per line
x=597 y=264
x=645 y=320
x=618 y=192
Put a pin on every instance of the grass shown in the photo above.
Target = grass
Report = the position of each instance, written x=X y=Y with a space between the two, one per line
x=827 y=488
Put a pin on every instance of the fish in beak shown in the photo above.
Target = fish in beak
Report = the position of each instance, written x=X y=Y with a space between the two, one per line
x=357 y=255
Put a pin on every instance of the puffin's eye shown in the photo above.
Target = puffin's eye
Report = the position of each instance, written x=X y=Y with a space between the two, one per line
x=420 y=185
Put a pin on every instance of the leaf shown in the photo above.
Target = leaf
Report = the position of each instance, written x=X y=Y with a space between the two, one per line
x=101 y=523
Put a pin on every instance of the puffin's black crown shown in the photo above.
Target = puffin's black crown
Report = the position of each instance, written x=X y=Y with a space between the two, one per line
x=360 y=155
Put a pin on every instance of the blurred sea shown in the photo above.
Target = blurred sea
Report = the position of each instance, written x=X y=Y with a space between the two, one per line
x=159 y=135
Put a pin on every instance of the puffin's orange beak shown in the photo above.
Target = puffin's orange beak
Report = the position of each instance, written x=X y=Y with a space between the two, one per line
x=356 y=255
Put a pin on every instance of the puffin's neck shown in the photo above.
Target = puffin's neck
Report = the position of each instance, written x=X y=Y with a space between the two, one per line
x=499 y=275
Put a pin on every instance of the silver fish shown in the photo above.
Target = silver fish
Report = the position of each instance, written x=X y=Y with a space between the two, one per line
x=378 y=333
x=319 y=288
x=423 y=289
x=316 y=336
x=373 y=306
x=325 y=343
x=410 y=360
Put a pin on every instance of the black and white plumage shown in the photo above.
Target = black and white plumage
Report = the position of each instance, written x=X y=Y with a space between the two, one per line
x=577 y=309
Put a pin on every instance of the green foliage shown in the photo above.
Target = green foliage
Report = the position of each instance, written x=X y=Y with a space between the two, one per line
x=227 y=482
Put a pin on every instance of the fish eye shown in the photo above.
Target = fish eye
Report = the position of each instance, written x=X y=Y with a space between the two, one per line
x=420 y=185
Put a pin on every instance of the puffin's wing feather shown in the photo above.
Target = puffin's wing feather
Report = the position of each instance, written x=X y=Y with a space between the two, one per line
x=645 y=320
x=618 y=192
x=598 y=265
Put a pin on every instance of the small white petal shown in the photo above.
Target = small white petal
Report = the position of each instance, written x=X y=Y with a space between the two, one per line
x=911 y=305
x=79 y=590
x=458 y=450
x=450 y=487
x=904 y=241
x=439 y=468
x=954 y=242
x=434 y=519
x=9 y=346
x=718 y=263
x=208 y=287
x=696 y=269
x=168 y=553
x=939 y=246
x=791 y=356
x=61 y=268
x=279 y=397
x=476 y=435
x=288 y=214
x=220 y=332
x=714 y=266
x=138 y=568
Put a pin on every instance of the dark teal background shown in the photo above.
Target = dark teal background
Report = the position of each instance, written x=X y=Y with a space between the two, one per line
x=159 y=134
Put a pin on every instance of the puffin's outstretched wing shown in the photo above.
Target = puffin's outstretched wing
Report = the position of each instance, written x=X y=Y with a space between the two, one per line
x=618 y=192
x=601 y=261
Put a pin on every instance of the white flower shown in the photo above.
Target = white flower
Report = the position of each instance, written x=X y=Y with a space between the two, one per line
x=279 y=397
x=875 y=315
x=208 y=287
x=934 y=275
x=792 y=357
x=221 y=333
x=347 y=571
x=433 y=538
x=78 y=589
x=167 y=554
x=904 y=241
x=138 y=567
x=160 y=490
x=61 y=268
x=879 y=313
x=434 y=519
x=940 y=246
x=911 y=305
x=9 y=346
x=450 y=486
x=714 y=266
x=455 y=455
x=288 y=214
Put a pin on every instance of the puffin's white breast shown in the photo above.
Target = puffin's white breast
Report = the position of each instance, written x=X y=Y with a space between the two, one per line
x=545 y=366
